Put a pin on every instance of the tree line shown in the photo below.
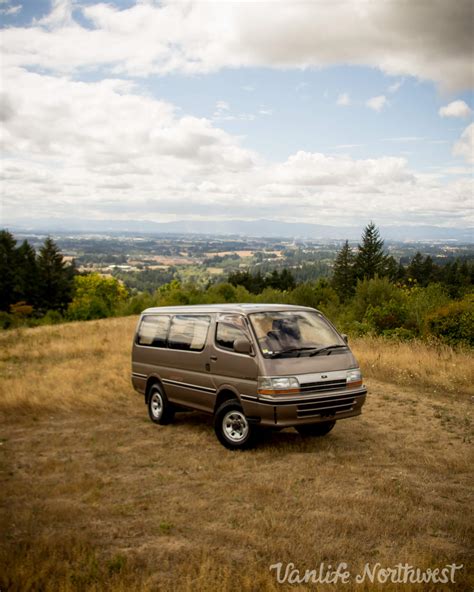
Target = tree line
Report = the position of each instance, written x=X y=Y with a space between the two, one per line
x=370 y=260
x=34 y=281
x=367 y=292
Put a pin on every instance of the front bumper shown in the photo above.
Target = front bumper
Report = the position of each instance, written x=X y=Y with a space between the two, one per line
x=288 y=411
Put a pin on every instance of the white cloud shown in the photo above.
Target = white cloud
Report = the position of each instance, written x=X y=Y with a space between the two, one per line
x=314 y=169
x=107 y=149
x=104 y=150
x=457 y=171
x=464 y=147
x=343 y=100
x=11 y=10
x=404 y=139
x=222 y=106
x=223 y=112
x=60 y=15
x=432 y=41
x=87 y=134
x=377 y=103
x=395 y=87
x=455 y=109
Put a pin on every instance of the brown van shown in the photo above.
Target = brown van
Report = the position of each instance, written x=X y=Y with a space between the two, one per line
x=250 y=365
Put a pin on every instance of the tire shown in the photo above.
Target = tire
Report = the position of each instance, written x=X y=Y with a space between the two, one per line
x=232 y=428
x=315 y=429
x=160 y=410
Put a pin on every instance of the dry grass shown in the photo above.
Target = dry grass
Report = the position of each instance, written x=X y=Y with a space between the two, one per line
x=66 y=366
x=96 y=497
x=436 y=368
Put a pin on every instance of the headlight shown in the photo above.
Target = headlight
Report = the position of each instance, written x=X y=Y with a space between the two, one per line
x=354 y=378
x=278 y=385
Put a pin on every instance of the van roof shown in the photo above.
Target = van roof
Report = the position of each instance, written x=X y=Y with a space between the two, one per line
x=245 y=308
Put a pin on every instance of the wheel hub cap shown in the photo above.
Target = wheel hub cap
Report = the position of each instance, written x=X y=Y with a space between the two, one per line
x=235 y=426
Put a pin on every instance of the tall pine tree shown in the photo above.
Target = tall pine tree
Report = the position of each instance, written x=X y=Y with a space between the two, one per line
x=26 y=276
x=55 y=278
x=8 y=257
x=344 y=279
x=371 y=259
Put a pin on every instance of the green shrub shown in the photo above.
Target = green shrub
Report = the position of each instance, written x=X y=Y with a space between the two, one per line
x=52 y=317
x=272 y=296
x=375 y=293
x=318 y=294
x=95 y=297
x=224 y=292
x=354 y=328
x=386 y=316
x=421 y=302
x=399 y=334
x=136 y=304
x=454 y=322
x=7 y=320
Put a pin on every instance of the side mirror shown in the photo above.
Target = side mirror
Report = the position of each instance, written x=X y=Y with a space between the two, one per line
x=242 y=345
x=344 y=336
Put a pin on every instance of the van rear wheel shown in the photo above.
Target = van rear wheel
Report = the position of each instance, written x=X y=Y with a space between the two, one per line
x=232 y=428
x=316 y=429
x=160 y=410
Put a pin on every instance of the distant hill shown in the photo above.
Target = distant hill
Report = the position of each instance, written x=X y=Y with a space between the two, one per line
x=251 y=228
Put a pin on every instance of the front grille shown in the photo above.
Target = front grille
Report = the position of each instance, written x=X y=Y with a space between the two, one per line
x=326 y=406
x=323 y=386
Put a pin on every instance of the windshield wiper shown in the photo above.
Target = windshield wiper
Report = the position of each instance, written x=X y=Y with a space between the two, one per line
x=327 y=348
x=290 y=351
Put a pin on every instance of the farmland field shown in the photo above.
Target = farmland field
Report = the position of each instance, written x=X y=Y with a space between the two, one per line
x=96 y=497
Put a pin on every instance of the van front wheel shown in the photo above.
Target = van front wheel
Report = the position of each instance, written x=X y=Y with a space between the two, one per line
x=316 y=429
x=160 y=409
x=232 y=427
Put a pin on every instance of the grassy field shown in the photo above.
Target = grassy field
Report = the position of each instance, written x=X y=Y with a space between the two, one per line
x=96 y=497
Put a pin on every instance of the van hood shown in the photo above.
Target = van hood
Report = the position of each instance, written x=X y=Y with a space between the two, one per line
x=308 y=365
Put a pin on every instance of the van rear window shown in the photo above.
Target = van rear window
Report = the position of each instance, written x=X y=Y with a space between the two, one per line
x=153 y=330
x=188 y=332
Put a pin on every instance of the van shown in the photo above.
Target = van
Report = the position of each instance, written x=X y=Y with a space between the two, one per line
x=251 y=366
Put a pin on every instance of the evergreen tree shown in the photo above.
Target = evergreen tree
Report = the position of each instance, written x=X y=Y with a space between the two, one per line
x=287 y=280
x=401 y=273
x=241 y=278
x=422 y=270
x=253 y=283
x=416 y=269
x=257 y=284
x=273 y=280
x=371 y=259
x=344 y=279
x=7 y=270
x=429 y=270
x=55 y=278
x=451 y=278
x=26 y=277
x=282 y=280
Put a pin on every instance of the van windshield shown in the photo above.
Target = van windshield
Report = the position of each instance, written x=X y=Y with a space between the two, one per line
x=294 y=333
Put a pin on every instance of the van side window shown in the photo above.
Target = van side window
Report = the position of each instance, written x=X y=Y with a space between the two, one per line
x=229 y=328
x=153 y=330
x=188 y=332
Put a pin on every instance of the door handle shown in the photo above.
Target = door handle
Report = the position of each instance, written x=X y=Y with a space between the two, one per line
x=214 y=358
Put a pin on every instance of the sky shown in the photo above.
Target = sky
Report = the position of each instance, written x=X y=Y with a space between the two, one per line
x=332 y=112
